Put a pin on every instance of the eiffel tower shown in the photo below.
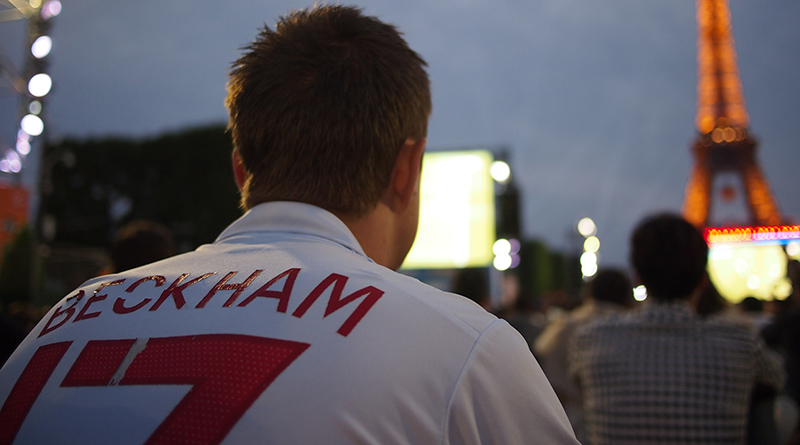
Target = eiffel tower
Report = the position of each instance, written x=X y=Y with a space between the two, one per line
x=723 y=145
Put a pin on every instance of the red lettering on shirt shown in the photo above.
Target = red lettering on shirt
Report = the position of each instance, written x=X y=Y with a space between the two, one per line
x=372 y=294
x=97 y=363
x=119 y=304
x=282 y=295
x=176 y=290
x=336 y=302
x=63 y=310
x=227 y=373
x=222 y=285
x=82 y=315
x=365 y=298
x=28 y=387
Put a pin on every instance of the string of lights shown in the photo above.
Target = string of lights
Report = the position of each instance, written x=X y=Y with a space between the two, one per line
x=36 y=80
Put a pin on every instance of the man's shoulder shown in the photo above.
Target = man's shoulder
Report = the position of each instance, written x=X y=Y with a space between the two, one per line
x=607 y=322
x=729 y=328
x=452 y=308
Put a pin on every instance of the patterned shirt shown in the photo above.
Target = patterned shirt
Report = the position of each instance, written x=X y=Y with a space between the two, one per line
x=663 y=375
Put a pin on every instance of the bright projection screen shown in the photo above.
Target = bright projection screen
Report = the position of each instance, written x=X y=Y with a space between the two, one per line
x=751 y=261
x=457 y=212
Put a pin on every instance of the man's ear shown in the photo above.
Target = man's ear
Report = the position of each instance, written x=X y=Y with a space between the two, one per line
x=239 y=173
x=406 y=174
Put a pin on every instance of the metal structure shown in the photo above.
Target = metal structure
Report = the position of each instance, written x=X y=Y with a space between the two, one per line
x=723 y=143
x=31 y=82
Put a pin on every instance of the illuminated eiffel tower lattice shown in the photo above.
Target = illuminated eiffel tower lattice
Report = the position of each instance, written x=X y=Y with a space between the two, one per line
x=723 y=145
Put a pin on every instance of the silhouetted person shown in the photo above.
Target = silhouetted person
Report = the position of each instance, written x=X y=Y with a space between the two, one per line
x=783 y=334
x=709 y=302
x=609 y=292
x=661 y=373
x=141 y=242
x=753 y=310
x=11 y=335
x=524 y=315
x=473 y=283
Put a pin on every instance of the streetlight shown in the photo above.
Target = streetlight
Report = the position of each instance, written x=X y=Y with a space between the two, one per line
x=39 y=83
x=591 y=244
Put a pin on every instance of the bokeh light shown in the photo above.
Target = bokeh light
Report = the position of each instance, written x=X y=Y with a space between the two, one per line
x=587 y=227
x=40 y=85
x=501 y=247
x=783 y=288
x=502 y=262
x=500 y=171
x=35 y=107
x=32 y=125
x=589 y=270
x=23 y=147
x=51 y=9
x=591 y=244
x=41 y=47
x=588 y=258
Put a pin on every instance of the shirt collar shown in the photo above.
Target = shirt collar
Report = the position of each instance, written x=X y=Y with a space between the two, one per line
x=667 y=311
x=294 y=218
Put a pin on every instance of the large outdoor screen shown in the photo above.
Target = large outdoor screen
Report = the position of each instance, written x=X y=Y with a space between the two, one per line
x=751 y=261
x=457 y=212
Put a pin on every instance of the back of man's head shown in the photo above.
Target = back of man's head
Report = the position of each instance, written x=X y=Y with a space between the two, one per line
x=472 y=283
x=669 y=256
x=320 y=107
x=612 y=286
x=141 y=242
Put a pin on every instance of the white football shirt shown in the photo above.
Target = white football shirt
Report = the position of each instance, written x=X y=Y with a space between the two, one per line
x=281 y=331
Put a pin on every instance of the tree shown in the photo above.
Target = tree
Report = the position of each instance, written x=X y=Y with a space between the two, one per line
x=182 y=180
x=17 y=269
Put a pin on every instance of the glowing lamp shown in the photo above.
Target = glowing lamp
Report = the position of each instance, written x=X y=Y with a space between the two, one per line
x=23 y=147
x=587 y=227
x=40 y=85
x=500 y=171
x=51 y=9
x=41 y=47
x=32 y=125
x=640 y=293
x=591 y=244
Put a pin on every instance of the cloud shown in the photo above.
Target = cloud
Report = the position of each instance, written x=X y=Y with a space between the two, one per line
x=594 y=100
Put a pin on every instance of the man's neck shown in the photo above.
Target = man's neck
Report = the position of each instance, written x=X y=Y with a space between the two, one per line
x=376 y=233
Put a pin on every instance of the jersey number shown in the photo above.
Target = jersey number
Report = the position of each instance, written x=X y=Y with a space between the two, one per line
x=227 y=372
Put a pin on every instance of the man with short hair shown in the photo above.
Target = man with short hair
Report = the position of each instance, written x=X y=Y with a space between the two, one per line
x=293 y=326
x=662 y=374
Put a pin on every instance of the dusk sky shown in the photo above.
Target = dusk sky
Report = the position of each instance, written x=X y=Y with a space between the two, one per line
x=594 y=100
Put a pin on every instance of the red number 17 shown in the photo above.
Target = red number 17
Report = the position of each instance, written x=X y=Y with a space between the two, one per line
x=227 y=372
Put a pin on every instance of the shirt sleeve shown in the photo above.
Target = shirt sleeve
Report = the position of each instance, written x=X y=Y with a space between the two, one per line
x=502 y=396
x=769 y=366
x=551 y=350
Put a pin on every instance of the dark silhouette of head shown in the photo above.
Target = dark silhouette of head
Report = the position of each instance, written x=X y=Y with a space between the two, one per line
x=752 y=304
x=669 y=256
x=709 y=302
x=141 y=242
x=611 y=286
x=472 y=283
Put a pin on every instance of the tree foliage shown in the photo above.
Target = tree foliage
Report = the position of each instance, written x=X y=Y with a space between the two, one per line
x=182 y=180
x=17 y=268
